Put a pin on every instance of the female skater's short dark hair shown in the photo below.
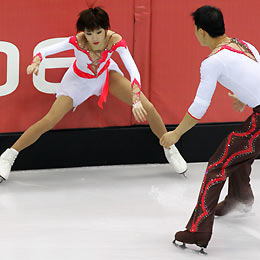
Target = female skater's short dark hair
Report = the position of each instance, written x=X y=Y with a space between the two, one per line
x=210 y=19
x=92 y=19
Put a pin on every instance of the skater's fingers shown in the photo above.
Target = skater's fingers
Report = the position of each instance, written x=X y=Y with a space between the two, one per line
x=144 y=114
x=162 y=141
x=141 y=115
x=166 y=145
x=135 y=115
x=29 y=69
x=36 y=71
x=140 y=112
x=144 y=111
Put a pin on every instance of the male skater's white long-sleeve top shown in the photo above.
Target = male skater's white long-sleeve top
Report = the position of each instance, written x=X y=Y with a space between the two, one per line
x=235 y=71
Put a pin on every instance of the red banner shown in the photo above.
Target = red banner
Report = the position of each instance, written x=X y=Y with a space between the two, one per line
x=159 y=34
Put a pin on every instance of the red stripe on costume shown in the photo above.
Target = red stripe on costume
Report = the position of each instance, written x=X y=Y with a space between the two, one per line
x=234 y=50
x=103 y=58
x=39 y=55
x=86 y=75
x=90 y=68
x=121 y=43
x=74 y=42
x=229 y=139
x=103 y=96
x=82 y=74
x=135 y=82
x=104 y=53
x=248 y=150
x=230 y=49
x=223 y=175
x=246 y=46
x=193 y=116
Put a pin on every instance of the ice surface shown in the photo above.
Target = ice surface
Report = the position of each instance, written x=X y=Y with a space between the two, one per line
x=117 y=213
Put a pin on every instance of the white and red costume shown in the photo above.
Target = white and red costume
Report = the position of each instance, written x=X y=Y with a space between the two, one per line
x=238 y=71
x=80 y=81
x=234 y=71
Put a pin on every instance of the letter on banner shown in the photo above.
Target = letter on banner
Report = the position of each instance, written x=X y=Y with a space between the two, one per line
x=12 y=70
x=49 y=63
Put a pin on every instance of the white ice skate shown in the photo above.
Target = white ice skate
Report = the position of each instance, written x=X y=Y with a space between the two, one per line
x=6 y=161
x=175 y=159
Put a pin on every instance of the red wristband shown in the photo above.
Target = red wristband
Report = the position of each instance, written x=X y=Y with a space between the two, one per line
x=135 y=82
x=39 y=55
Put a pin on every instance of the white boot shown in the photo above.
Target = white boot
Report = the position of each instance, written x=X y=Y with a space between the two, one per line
x=175 y=159
x=6 y=161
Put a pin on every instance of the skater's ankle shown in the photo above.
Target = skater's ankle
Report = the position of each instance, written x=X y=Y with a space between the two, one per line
x=14 y=150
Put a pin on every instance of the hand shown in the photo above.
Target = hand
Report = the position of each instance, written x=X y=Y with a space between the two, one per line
x=139 y=112
x=237 y=104
x=33 y=68
x=169 y=139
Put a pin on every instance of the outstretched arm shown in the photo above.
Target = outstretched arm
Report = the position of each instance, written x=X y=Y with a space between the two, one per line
x=172 y=137
x=138 y=110
x=210 y=71
x=53 y=49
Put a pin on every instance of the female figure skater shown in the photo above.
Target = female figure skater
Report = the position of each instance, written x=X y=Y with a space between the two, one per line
x=235 y=64
x=91 y=74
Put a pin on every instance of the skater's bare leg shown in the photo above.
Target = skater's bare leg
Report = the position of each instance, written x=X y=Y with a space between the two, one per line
x=120 y=87
x=60 y=107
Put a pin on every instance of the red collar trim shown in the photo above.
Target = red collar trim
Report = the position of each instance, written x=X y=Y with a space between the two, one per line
x=74 y=42
x=235 y=50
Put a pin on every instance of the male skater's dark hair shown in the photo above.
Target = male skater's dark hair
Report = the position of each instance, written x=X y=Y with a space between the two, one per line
x=210 y=19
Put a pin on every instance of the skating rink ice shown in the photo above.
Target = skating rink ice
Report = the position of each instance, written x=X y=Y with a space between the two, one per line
x=115 y=213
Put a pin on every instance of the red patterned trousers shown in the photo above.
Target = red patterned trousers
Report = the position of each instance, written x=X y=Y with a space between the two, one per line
x=232 y=159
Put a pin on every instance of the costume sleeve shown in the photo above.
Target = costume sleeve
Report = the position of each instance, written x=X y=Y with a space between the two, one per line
x=56 y=48
x=210 y=71
x=130 y=65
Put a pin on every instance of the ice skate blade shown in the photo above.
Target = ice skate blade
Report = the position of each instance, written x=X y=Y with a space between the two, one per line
x=184 y=173
x=1 y=179
x=183 y=246
x=179 y=169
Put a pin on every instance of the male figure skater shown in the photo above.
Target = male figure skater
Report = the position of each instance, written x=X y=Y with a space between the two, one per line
x=234 y=64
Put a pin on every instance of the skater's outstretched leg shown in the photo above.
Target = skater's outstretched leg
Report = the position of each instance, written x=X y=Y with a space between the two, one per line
x=240 y=195
x=237 y=151
x=60 y=107
x=120 y=87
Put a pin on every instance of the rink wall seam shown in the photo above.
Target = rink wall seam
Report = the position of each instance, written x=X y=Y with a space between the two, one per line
x=113 y=146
